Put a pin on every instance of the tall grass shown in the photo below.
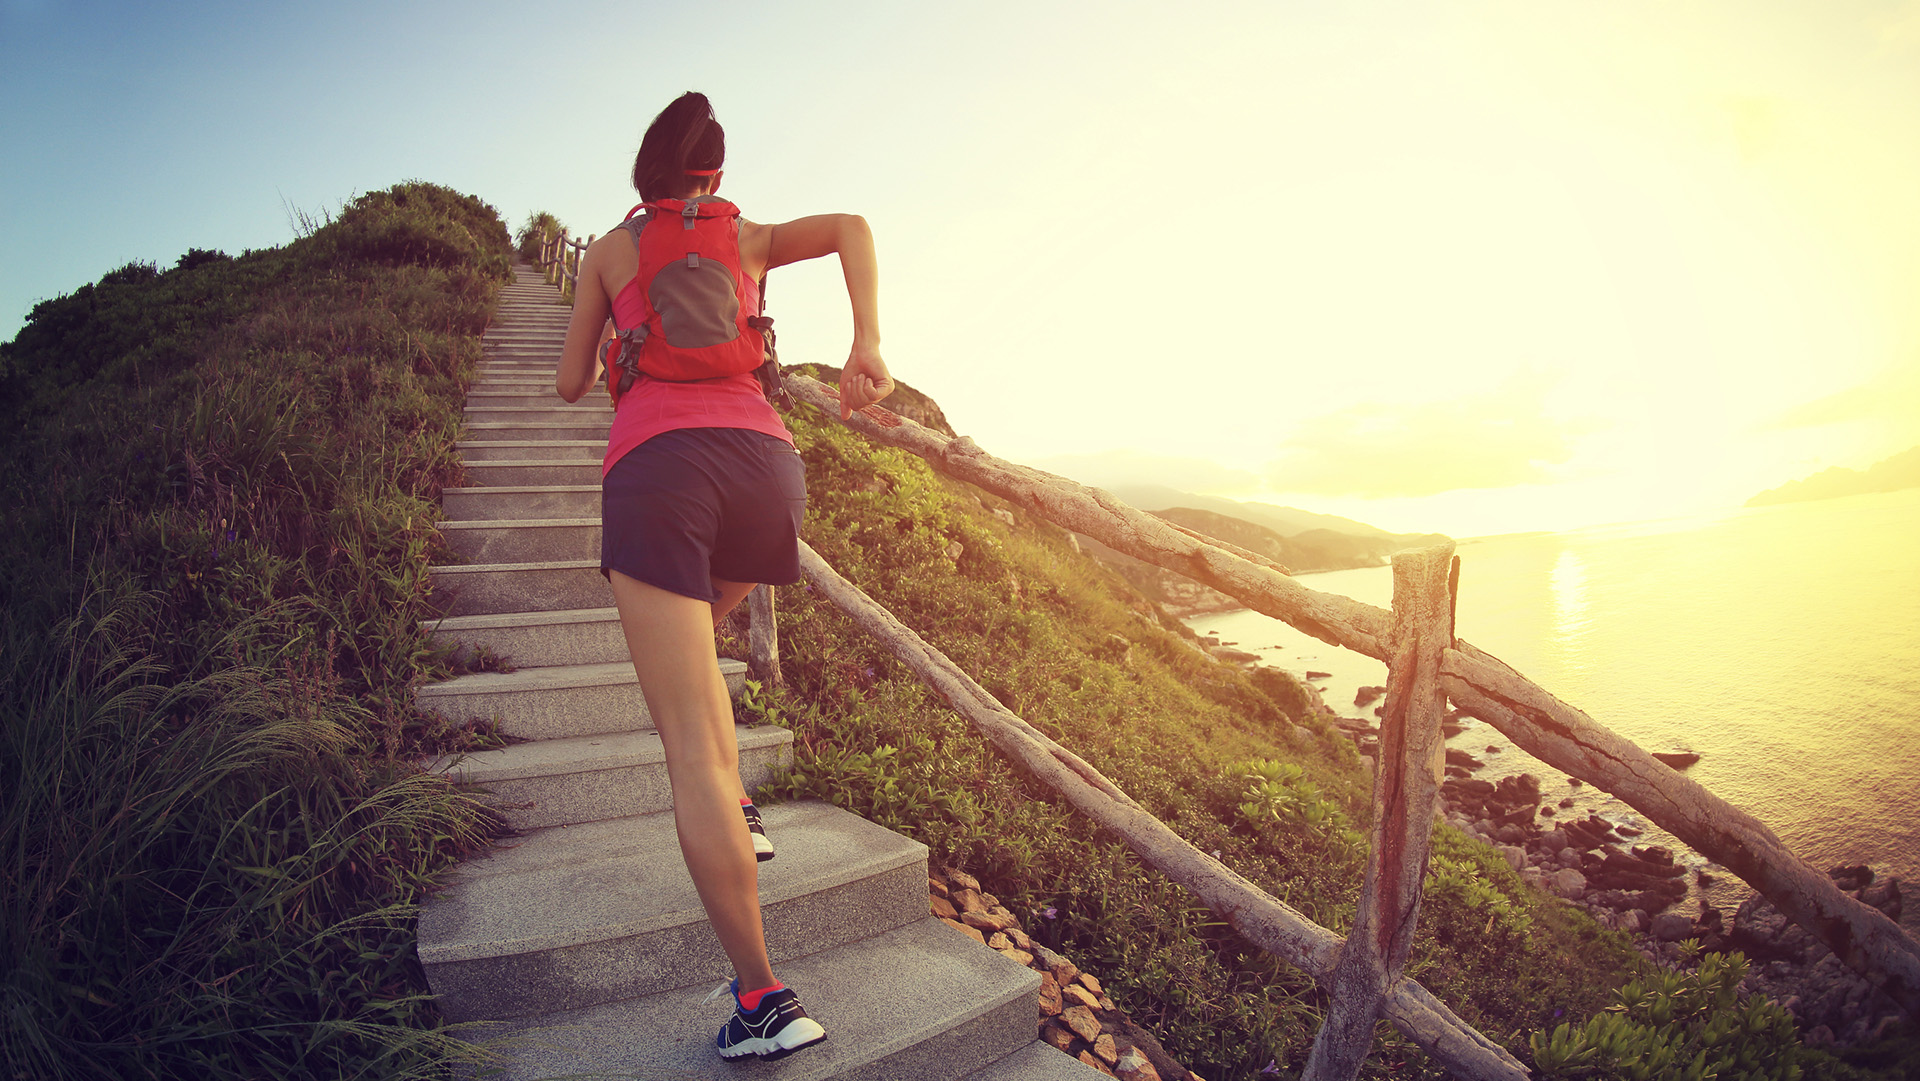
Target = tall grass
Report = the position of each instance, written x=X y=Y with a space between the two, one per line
x=219 y=491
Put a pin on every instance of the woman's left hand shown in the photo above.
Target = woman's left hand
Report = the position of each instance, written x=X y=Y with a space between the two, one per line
x=864 y=380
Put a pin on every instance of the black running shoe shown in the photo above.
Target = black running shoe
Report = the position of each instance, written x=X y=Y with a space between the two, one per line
x=775 y=1029
x=762 y=848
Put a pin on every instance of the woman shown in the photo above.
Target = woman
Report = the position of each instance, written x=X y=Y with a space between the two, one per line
x=702 y=496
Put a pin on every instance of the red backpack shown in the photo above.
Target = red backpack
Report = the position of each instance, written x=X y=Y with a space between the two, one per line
x=690 y=284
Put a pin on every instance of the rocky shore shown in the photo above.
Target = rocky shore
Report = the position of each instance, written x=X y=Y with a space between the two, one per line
x=1592 y=862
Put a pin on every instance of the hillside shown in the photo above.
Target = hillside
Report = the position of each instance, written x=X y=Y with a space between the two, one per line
x=1887 y=475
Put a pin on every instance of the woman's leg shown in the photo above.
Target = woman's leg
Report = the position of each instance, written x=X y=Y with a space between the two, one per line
x=671 y=639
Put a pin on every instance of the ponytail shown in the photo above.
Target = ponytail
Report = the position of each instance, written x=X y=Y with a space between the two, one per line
x=684 y=137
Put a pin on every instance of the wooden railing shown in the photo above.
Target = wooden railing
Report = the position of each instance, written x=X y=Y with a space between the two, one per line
x=1426 y=666
x=559 y=258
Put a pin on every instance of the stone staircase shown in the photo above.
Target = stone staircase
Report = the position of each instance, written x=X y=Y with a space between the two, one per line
x=583 y=936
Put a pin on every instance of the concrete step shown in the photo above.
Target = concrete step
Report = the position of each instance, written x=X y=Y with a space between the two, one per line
x=576 y=916
x=917 y=1003
x=559 y=782
x=598 y=412
x=511 y=380
x=529 y=540
x=555 y=701
x=537 y=639
x=485 y=588
x=501 y=502
x=513 y=500
x=1037 y=1062
x=524 y=396
x=536 y=471
x=506 y=450
x=518 y=429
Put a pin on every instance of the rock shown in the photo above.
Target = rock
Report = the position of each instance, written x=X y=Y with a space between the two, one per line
x=1548 y=811
x=1885 y=896
x=943 y=908
x=1516 y=856
x=1087 y=1059
x=1626 y=831
x=965 y=930
x=1104 y=1049
x=1856 y=877
x=969 y=900
x=1461 y=758
x=955 y=550
x=1050 y=1000
x=1639 y=920
x=987 y=922
x=1018 y=957
x=1493 y=749
x=1554 y=840
x=1233 y=656
x=1566 y=802
x=1704 y=878
x=1074 y=993
x=1134 y=1066
x=1056 y=1034
x=1534 y=876
x=1574 y=782
x=934 y=885
x=1671 y=927
x=1366 y=695
x=964 y=880
x=1319 y=675
x=1091 y=983
x=1020 y=938
x=1676 y=759
x=1004 y=515
x=1510 y=834
x=1081 y=1020
x=1657 y=854
x=1568 y=883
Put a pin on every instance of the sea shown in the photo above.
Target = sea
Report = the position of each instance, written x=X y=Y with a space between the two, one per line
x=1781 y=644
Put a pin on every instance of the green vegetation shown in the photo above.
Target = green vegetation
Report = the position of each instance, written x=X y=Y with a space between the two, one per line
x=526 y=240
x=220 y=490
x=1233 y=762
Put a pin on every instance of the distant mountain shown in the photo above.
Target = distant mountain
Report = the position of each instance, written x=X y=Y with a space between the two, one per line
x=1888 y=475
x=1313 y=550
x=1286 y=521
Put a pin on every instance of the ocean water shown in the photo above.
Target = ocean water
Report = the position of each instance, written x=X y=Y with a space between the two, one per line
x=1780 y=643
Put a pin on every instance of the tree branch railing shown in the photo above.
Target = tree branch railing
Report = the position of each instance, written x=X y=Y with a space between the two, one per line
x=1427 y=664
x=559 y=259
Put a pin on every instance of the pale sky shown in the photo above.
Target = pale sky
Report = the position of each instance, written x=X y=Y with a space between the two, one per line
x=1463 y=267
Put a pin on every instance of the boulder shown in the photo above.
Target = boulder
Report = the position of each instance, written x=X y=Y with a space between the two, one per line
x=1885 y=896
x=1515 y=856
x=1676 y=759
x=1366 y=695
x=1568 y=883
x=1671 y=927
x=1856 y=877
x=1319 y=675
x=1457 y=757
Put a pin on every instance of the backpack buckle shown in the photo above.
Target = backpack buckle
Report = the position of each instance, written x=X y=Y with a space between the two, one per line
x=689 y=213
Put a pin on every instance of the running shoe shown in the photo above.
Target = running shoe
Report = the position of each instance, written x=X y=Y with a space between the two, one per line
x=776 y=1028
x=762 y=848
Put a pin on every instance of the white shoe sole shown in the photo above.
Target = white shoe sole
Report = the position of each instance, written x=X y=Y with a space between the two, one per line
x=802 y=1033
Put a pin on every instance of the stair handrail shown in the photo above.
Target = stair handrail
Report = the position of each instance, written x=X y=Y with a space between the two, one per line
x=1553 y=731
x=560 y=257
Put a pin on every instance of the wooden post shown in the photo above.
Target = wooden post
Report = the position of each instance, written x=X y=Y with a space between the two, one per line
x=1406 y=788
x=763 y=638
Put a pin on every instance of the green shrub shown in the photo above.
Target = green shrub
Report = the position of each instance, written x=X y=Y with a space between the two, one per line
x=527 y=239
x=1684 y=1025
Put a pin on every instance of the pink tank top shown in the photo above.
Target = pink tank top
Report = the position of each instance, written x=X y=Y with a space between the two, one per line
x=654 y=406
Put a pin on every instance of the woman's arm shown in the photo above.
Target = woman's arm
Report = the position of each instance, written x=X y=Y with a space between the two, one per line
x=580 y=357
x=864 y=379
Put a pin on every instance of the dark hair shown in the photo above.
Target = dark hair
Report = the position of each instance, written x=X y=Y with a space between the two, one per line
x=684 y=136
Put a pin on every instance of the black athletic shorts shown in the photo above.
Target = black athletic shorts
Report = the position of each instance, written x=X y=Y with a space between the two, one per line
x=695 y=504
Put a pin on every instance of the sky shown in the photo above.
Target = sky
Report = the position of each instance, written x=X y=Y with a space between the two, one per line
x=1466 y=267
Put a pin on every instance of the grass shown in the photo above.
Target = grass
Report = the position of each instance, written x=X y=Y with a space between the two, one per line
x=220 y=489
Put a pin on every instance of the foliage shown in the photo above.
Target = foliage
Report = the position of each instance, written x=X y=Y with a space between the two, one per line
x=526 y=240
x=1233 y=762
x=219 y=497
x=1686 y=1025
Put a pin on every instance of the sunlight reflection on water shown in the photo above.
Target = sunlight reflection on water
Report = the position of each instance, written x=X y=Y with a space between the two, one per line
x=1781 y=643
